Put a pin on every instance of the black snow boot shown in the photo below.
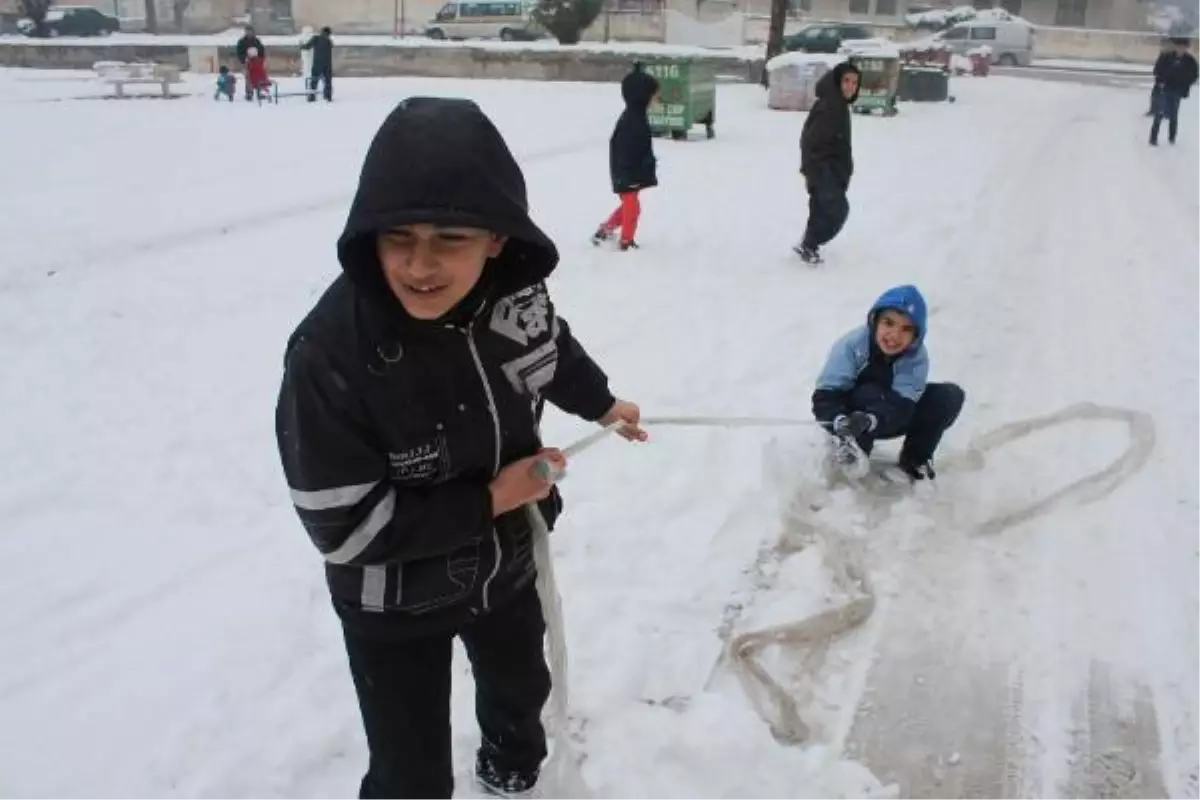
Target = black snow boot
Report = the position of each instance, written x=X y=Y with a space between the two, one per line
x=503 y=783
x=630 y=245
x=918 y=470
x=600 y=236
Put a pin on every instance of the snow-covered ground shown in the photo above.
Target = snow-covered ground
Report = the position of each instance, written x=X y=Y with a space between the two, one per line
x=166 y=626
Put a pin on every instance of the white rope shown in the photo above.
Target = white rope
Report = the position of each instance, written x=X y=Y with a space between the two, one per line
x=769 y=698
x=562 y=769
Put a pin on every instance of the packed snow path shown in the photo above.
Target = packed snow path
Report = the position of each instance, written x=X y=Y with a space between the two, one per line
x=167 y=629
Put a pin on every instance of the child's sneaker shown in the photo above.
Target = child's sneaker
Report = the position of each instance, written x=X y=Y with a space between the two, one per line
x=809 y=255
x=630 y=245
x=601 y=236
x=504 y=783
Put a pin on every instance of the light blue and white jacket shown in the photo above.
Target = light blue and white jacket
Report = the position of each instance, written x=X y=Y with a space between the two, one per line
x=857 y=376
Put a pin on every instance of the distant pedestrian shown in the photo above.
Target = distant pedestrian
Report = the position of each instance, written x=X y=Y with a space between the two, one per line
x=321 y=46
x=1175 y=73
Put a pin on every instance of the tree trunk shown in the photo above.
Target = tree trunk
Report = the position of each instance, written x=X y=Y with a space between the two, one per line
x=180 y=9
x=151 y=16
x=779 y=9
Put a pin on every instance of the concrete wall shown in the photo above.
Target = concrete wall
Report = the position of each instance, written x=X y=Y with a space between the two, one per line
x=566 y=64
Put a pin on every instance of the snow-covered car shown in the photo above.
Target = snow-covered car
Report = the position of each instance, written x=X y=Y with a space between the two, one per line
x=71 y=21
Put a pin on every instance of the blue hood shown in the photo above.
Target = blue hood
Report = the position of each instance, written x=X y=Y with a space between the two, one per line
x=906 y=299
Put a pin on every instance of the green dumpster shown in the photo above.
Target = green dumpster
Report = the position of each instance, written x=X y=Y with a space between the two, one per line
x=924 y=84
x=687 y=96
x=878 y=84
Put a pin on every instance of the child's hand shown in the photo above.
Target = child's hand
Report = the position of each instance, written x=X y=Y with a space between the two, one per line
x=628 y=413
x=854 y=425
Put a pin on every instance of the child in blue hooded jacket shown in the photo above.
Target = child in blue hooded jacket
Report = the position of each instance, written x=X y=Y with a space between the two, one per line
x=875 y=386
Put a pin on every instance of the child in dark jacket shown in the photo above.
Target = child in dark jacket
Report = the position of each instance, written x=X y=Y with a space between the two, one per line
x=874 y=386
x=631 y=159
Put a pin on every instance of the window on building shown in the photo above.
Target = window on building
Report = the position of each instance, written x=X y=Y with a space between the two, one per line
x=1011 y=6
x=1071 y=13
x=885 y=8
x=860 y=6
x=979 y=4
x=799 y=6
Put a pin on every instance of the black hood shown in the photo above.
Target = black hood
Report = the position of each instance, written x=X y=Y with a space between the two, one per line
x=441 y=161
x=638 y=88
x=829 y=87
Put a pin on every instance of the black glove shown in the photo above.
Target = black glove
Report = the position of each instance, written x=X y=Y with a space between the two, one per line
x=854 y=425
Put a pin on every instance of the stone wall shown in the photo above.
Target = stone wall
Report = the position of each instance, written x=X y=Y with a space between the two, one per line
x=565 y=64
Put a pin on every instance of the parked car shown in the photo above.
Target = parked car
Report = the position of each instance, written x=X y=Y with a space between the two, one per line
x=1010 y=41
x=824 y=37
x=508 y=20
x=72 y=21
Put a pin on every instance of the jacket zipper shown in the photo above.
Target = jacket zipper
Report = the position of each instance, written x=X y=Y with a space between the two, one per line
x=491 y=401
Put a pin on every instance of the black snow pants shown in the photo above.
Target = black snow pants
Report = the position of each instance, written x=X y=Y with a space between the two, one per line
x=322 y=74
x=403 y=688
x=936 y=411
x=827 y=206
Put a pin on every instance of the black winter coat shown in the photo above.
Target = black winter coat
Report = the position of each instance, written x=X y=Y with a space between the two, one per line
x=825 y=137
x=322 y=47
x=631 y=161
x=390 y=428
x=245 y=43
x=1176 y=72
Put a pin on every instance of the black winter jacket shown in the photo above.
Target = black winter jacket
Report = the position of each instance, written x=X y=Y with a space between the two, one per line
x=390 y=428
x=1176 y=72
x=631 y=161
x=245 y=43
x=322 y=47
x=825 y=137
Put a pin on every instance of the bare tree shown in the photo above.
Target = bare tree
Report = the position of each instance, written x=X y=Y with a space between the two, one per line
x=779 y=10
x=180 y=8
x=151 y=16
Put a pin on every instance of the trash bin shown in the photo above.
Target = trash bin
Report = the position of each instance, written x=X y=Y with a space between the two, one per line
x=878 y=83
x=687 y=94
x=923 y=84
x=792 y=79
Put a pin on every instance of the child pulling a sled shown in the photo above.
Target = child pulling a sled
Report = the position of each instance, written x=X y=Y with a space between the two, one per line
x=874 y=386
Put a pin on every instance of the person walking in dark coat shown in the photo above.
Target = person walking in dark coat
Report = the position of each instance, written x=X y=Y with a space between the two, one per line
x=322 y=65
x=631 y=161
x=408 y=428
x=827 y=160
x=1175 y=72
x=248 y=42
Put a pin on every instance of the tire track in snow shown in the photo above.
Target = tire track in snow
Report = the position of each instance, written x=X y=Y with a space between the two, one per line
x=945 y=711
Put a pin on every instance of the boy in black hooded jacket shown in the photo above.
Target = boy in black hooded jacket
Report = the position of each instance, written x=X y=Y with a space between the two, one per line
x=827 y=160
x=407 y=424
x=631 y=161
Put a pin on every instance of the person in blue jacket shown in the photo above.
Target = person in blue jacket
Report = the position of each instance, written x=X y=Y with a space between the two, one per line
x=875 y=386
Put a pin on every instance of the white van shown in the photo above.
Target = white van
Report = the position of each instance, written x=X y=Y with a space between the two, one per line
x=1011 y=41
x=467 y=19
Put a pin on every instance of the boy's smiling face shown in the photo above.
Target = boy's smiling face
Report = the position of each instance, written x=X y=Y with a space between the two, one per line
x=430 y=267
x=894 y=331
